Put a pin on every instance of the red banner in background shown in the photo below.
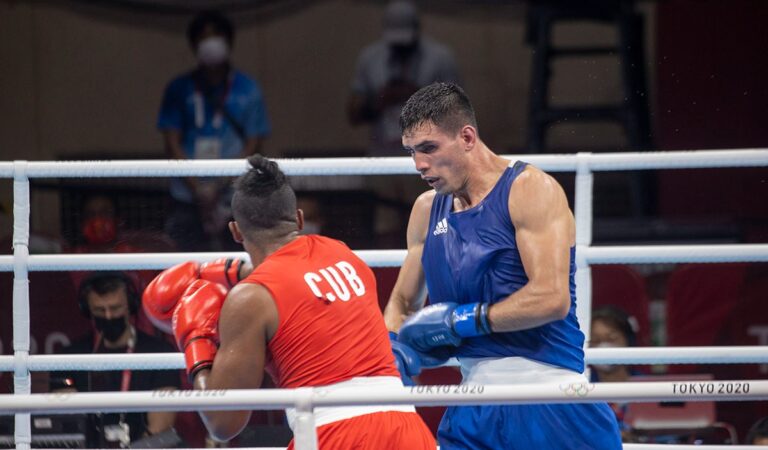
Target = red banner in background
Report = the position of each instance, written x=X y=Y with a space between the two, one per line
x=55 y=319
x=722 y=305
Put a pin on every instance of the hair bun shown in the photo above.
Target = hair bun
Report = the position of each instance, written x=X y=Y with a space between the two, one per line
x=266 y=168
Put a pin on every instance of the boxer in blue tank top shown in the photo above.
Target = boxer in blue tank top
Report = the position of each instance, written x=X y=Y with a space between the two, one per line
x=493 y=244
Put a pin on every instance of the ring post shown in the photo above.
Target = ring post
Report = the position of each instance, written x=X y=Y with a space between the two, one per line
x=583 y=197
x=305 y=434
x=21 y=377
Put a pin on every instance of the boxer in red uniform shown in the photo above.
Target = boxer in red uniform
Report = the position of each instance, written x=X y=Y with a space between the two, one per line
x=308 y=313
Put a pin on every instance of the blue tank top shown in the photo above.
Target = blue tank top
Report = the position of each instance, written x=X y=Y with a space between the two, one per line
x=472 y=256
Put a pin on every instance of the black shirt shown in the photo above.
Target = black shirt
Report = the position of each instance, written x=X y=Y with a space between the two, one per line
x=101 y=381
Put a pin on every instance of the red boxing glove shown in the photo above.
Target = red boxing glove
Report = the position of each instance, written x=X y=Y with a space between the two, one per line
x=196 y=324
x=225 y=271
x=164 y=292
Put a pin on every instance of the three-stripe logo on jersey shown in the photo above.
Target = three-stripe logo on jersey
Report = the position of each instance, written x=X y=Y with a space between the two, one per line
x=441 y=227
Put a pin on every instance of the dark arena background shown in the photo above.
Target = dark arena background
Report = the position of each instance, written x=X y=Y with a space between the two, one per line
x=85 y=80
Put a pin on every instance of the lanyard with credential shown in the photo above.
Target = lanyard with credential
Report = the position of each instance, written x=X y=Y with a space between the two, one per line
x=126 y=382
x=199 y=102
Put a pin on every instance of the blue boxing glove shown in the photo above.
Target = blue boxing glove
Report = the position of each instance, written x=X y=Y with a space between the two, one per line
x=407 y=360
x=444 y=325
x=410 y=362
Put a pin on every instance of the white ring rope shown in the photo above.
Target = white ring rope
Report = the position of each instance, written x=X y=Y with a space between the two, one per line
x=237 y=399
x=385 y=166
x=625 y=355
x=632 y=254
x=636 y=254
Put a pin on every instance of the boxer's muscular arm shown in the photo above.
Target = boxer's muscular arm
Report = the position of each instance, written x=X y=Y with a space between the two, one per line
x=409 y=292
x=545 y=232
x=248 y=320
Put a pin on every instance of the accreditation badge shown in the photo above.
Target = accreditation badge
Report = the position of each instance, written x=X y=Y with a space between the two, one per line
x=207 y=148
x=118 y=434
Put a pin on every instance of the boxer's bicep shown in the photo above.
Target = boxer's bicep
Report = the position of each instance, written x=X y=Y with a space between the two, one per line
x=409 y=292
x=246 y=319
x=243 y=331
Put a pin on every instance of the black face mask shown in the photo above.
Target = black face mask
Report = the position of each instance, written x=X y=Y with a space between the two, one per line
x=110 y=329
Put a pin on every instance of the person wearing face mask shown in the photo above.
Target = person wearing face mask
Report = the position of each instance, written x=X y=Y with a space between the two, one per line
x=99 y=225
x=211 y=112
x=390 y=70
x=110 y=301
x=611 y=328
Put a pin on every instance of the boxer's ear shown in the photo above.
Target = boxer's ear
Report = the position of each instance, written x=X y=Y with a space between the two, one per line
x=300 y=219
x=237 y=235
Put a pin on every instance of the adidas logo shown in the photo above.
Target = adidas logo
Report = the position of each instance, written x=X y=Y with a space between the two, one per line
x=441 y=227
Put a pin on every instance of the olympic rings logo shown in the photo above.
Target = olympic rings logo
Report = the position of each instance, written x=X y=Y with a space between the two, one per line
x=577 y=389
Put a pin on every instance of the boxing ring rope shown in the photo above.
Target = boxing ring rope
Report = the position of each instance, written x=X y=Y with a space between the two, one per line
x=238 y=399
x=305 y=399
x=385 y=166
x=584 y=164
x=634 y=355
x=620 y=254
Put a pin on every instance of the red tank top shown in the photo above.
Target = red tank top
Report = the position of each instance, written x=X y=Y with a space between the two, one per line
x=330 y=326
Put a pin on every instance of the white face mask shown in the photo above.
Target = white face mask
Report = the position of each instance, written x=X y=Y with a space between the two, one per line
x=212 y=51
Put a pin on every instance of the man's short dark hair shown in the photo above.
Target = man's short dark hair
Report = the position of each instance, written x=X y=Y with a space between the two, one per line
x=214 y=18
x=103 y=283
x=263 y=199
x=758 y=430
x=443 y=104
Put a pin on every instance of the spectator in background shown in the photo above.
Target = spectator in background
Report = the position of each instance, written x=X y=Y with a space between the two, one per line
x=390 y=70
x=99 y=226
x=212 y=112
x=612 y=327
x=102 y=230
x=758 y=433
x=110 y=300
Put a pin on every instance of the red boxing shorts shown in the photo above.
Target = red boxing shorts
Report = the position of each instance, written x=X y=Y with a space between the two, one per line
x=390 y=430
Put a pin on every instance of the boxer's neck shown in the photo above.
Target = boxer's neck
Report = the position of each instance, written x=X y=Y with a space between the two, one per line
x=264 y=245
